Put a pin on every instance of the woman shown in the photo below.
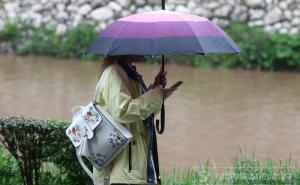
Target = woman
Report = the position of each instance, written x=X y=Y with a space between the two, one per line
x=122 y=92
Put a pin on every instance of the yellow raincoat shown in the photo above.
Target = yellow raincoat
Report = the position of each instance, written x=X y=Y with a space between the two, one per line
x=122 y=97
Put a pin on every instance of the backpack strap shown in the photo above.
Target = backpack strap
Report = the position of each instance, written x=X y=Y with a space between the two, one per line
x=95 y=179
x=109 y=167
x=88 y=171
x=107 y=175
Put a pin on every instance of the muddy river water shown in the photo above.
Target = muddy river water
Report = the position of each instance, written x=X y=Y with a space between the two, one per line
x=209 y=117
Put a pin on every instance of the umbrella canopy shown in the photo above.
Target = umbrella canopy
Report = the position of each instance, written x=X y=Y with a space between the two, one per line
x=162 y=32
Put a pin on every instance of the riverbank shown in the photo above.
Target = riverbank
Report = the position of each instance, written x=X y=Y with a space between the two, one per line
x=259 y=49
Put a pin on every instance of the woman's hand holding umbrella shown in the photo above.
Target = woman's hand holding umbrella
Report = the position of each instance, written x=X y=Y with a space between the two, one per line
x=161 y=82
x=160 y=79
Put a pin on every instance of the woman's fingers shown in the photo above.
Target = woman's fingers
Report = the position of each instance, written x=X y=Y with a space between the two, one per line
x=161 y=73
x=161 y=80
x=167 y=91
x=173 y=88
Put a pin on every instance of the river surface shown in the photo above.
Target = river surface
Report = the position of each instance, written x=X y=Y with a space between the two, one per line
x=209 y=117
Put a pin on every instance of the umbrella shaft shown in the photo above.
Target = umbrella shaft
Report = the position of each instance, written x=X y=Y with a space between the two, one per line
x=162 y=118
x=163 y=5
x=163 y=63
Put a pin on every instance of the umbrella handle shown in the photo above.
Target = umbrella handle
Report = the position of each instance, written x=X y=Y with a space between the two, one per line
x=162 y=120
x=162 y=111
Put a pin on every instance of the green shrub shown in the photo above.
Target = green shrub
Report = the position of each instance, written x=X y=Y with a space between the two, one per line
x=43 y=41
x=9 y=170
x=27 y=39
x=271 y=51
x=10 y=33
x=287 y=50
x=256 y=47
x=76 y=41
x=42 y=151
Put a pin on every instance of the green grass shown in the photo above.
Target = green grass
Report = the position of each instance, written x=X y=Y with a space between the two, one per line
x=245 y=170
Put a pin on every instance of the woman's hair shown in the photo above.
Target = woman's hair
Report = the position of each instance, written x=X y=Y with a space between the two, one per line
x=109 y=60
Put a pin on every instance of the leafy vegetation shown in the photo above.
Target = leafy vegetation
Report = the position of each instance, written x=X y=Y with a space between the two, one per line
x=9 y=170
x=263 y=50
x=259 y=50
x=41 y=151
x=27 y=39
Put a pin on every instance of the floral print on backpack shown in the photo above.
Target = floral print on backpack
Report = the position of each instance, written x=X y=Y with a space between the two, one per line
x=116 y=138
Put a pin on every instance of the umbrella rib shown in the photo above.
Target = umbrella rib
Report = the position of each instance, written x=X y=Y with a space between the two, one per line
x=121 y=30
x=218 y=29
x=231 y=43
x=186 y=22
x=153 y=36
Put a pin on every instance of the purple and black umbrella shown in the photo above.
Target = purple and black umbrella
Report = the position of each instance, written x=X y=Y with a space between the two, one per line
x=160 y=33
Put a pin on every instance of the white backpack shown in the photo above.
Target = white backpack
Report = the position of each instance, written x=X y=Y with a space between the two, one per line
x=96 y=136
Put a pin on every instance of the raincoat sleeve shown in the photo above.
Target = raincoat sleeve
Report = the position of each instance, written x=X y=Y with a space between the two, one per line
x=121 y=105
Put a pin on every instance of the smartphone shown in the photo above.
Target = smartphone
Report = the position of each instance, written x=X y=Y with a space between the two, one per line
x=177 y=84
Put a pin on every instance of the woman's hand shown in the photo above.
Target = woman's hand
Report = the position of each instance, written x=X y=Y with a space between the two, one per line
x=167 y=91
x=160 y=79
